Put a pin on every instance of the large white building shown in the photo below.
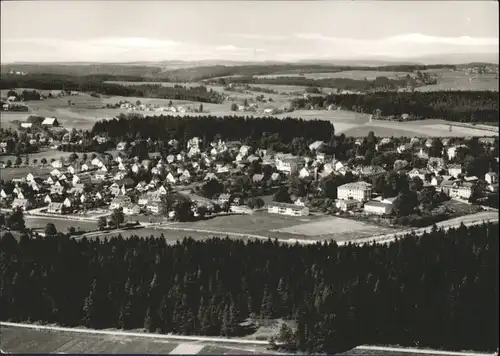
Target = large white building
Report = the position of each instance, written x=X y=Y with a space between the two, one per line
x=287 y=209
x=360 y=191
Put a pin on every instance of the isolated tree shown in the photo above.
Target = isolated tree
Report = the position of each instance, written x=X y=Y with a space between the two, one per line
x=15 y=221
x=282 y=196
x=50 y=229
x=201 y=108
x=18 y=161
x=73 y=157
x=117 y=218
x=8 y=164
x=102 y=223
x=212 y=188
x=234 y=107
x=43 y=161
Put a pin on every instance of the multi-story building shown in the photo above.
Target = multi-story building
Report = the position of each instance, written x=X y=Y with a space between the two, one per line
x=360 y=191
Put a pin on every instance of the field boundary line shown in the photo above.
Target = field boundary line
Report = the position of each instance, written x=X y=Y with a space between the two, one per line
x=420 y=351
x=136 y=334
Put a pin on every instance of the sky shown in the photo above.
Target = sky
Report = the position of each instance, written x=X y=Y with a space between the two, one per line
x=116 y=31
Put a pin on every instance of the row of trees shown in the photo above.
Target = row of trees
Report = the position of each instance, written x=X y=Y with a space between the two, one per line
x=167 y=127
x=434 y=291
x=97 y=85
x=207 y=72
x=461 y=106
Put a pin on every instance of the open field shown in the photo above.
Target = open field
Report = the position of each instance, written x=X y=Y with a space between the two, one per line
x=17 y=340
x=338 y=229
x=46 y=153
x=39 y=341
x=21 y=172
x=257 y=223
x=350 y=74
x=459 y=80
x=30 y=340
x=87 y=110
x=39 y=223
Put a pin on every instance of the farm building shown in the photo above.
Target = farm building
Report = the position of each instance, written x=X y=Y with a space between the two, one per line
x=287 y=209
x=50 y=121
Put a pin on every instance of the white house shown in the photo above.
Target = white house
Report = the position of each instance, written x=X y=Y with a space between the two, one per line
x=71 y=170
x=84 y=167
x=55 y=208
x=304 y=173
x=491 y=177
x=57 y=163
x=154 y=207
x=170 y=178
x=96 y=162
x=420 y=173
x=30 y=177
x=131 y=209
x=135 y=168
x=455 y=170
x=55 y=173
x=67 y=203
x=119 y=202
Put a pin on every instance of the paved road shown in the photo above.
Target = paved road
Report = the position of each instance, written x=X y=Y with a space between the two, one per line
x=468 y=220
x=194 y=340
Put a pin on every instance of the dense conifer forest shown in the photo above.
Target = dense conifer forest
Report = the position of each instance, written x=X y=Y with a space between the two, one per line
x=438 y=290
x=97 y=84
x=462 y=106
x=166 y=127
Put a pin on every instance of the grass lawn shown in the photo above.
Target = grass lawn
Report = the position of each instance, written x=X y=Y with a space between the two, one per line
x=46 y=153
x=458 y=80
x=24 y=340
x=260 y=223
x=21 y=172
x=349 y=74
x=338 y=229
x=21 y=340
x=38 y=222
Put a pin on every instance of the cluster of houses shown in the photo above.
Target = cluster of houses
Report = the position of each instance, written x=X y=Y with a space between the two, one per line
x=113 y=183
x=156 y=108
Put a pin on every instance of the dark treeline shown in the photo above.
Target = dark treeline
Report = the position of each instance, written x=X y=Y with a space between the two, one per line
x=96 y=84
x=156 y=72
x=461 y=106
x=116 y=70
x=208 y=127
x=338 y=83
x=437 y=291
x=207 y=72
